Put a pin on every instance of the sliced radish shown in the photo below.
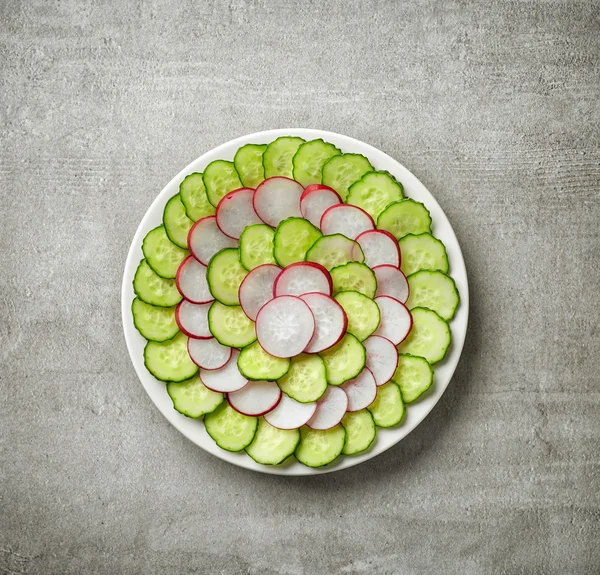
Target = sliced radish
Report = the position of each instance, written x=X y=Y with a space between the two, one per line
x=391 y=282
x=331 y=407
x=256 y=398
x=382 y=358
x=315 y=199
x=285 y=326
x=396 y=321
x=191 y=281
x=347 y=220
x=208 y=353
x=330 y=321
x=380 y=248
x=206 y=239
x=235 y=212
x=290 y=414
x=226 y=379
x=277 y=199
x=257 y=289
x=303 y=277
x=361 y=390
x=192 y=319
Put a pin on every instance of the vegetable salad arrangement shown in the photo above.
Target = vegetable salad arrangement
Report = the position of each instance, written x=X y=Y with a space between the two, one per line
x=294 y=299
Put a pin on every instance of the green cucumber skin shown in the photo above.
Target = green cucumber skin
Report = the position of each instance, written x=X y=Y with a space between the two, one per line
x=425 y=389
x=141 y=329
x=150 y=300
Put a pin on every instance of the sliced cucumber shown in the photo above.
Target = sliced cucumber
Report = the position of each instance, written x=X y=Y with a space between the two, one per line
x=193 y=398
x=194 y=198
x=230 y=325
x=293 y=238
x=272 y=446
x=405 y=217
x=388 y=408
x=341 y=171
x=434 y=290
x=362 y=313
x=161 y=254
x=220 y=178
x=335 y=250
x=255 y=363
x=277 y=158
x=306 y=380
x=177 y=224
x=345 y=360
x=248 y=164
x=169 y=360
x=309 y=160
x=354 y=276
x=422 y=252
x=230 y=430
x=224 y=275
x=374 y=192
x=429 y=337
x=360 y=431
x=319 y=448
x=153 y=289
x=256 y=246
x=153 y=322
x=414 y=376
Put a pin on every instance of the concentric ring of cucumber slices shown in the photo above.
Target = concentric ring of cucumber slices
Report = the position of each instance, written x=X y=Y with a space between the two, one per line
x=294 y=299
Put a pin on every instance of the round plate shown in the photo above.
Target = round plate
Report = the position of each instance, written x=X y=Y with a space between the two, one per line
x=415 y=413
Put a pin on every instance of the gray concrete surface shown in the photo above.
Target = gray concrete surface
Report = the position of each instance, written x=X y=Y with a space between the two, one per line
x=494 y=105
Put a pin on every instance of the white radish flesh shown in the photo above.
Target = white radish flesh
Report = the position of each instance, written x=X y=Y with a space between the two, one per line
x=256 y=398
x=331 y=407
x=303 y=277
x=192 y=319
x=257 y=289
x=347 y=220
x=208 y=353
x=391 y=282
x=380 y=248
x=206 y=239
x=277 y=199
x=361 y=390
x=315 y=199
x=330 y=321
x=226 y=379
x=396 y=321
x=191 y=281
x=290 y=414
x=235 y=212
x=382 y=358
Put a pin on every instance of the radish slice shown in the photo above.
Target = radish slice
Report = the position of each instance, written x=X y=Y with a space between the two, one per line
x=361 y=390
x=303 y=277
x=192 y=319
x=315 y=199
x=208 y=353
x=396 y=321
x=330 y=321
x=235 y=212
x=277 y=199
x=350 y=221
x=257 y=289
x=285 y=326
x=331 y=407
x=256 y=398
x=382 y=358
x=380 y=248
x=290 y=414
x=206 y=239
x=391 y=282
x=191 y=281
x=226 y=379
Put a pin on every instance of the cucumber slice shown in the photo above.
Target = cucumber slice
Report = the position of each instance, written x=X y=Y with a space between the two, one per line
x=333 y=251
x=255 y=363
x=306 y=380
x=318 y=448
x=374 y=192
x=360 y=431
x=224 y=275
x=194 y=198
x=177 y=224
x=248 y=164
x=293 y=238
x=354 y=276
x=153 y=289
x=154 y=323
x=256 y=246
x=309 y=160
x=192 y=398
x=345 y=360
x=272 y=446
x=429 y=337
x=362 y=313
x=277 y=158
x=220 y=178
x=341 y=171
x=230 y=325
x=161 y=254
x=388 y=408
x=169 y=360
x=405 y=217
x=434 y=290
x=230 y=430
x=414 y=376
x=422 y=252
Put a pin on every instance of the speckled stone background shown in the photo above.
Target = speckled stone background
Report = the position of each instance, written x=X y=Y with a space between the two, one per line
x=494 y=105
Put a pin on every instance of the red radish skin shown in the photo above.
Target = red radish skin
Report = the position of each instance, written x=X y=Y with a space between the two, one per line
x=361 y=390
x=256 y=398
x=382 y=358
x=350 y=221
x=257 y=289
x=391 y=282
x=315 y=199
x=379 y=248
x=396 y=320
x=208 y=354
x=191 y=281
x=236 y=211
x=303 y=277
x=276 y=199
x=290 y=414
x=192 y=319
x=331 y=407
x=331 y=321
x=227 y=379
x=205 y=239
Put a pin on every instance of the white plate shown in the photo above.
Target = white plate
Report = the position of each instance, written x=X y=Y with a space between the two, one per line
x=415 y=413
